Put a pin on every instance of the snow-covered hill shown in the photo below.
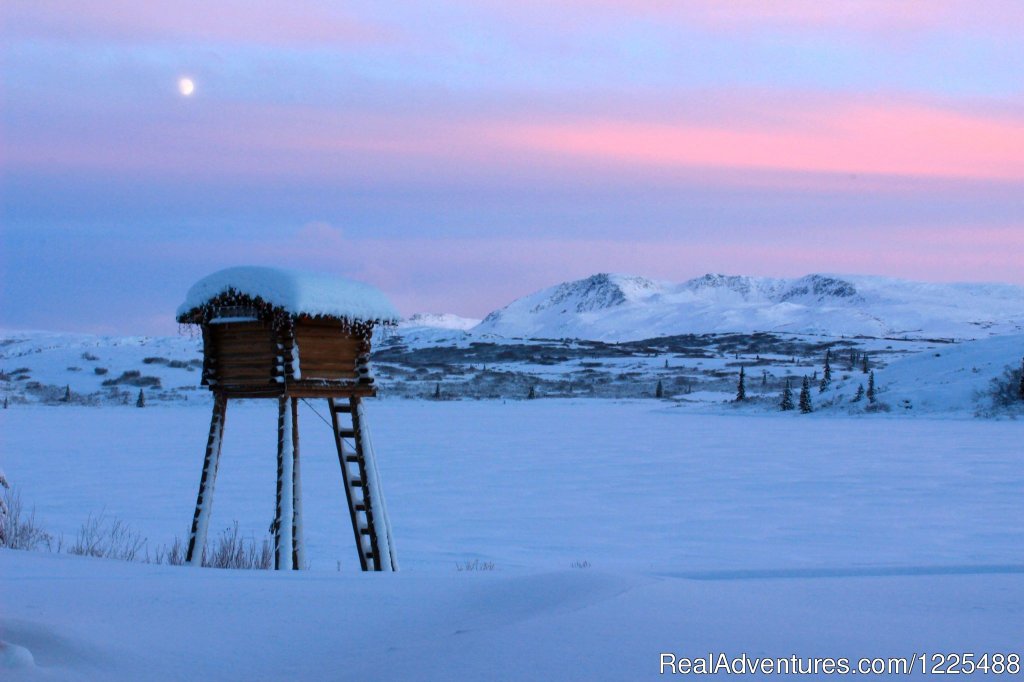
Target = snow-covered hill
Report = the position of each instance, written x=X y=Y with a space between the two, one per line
x=955 y=378
x=622 y=307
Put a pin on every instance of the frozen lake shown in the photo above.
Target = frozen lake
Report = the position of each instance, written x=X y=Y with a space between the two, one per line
x=539 y=484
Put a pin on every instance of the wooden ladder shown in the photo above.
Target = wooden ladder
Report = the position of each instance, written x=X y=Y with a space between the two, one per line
x=356 y=473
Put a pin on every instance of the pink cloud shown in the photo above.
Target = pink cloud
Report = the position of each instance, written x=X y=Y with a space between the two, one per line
x=873 y=138
x=738 y=138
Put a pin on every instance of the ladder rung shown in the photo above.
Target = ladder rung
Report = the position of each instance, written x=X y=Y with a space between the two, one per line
x=346 y=433
x=356 y=483
x=364 y=531
x=351 y=459
x=343 y=408
x=360 y=507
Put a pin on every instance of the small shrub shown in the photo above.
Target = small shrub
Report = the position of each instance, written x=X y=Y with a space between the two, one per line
x=474 y=565
x=107 y=538
x=133 y=377
x=1003 y=396
x=18 y=529
x=89 y=357
x=100 y=371
x=154 y=361
x=110 y=538
x=580 y=564
x=230 y=550
x=1005 y=391
x=172 y=556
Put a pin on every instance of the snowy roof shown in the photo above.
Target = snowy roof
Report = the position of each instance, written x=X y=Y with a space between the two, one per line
x=294 y=291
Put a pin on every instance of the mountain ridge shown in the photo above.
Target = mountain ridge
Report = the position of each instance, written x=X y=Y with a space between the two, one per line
x=619 y=307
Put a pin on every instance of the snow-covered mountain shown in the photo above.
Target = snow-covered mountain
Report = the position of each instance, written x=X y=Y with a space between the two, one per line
x=439 y=321
x=612 y=307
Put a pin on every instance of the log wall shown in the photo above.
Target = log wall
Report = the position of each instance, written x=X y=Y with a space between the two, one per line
x=252 y=358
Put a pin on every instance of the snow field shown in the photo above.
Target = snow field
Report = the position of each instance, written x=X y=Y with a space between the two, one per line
x=766 y=535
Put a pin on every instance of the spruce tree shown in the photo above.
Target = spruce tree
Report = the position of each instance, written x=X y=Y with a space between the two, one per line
x=787 y=398
x=666 y=363
x=852 y=361
x=1020 y=387
x=860 y=394
x=805 y=397
x=5 y=402
x=872 y=398
x=437 y=391
x=67 y=394
x=764 y=378
x=659 y=390
x=864 y=367
x=826 y=375
x=741 y=387
x=141 y=401
x=532 y=394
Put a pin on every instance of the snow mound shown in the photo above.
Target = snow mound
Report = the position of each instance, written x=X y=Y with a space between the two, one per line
x=297 y=292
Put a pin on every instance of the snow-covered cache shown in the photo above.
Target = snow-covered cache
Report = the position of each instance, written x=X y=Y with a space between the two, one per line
x=268 y=331
x=291 y=336
x=295 y=292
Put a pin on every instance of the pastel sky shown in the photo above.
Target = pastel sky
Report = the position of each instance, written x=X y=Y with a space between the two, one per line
x=461 y=153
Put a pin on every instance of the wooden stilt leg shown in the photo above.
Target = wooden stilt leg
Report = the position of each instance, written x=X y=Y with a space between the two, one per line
x=284 y=514
x=204 y=501
x=298 y=539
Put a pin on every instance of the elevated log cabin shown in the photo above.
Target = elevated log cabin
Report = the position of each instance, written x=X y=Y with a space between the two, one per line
x=267 y=332
x=290 y=336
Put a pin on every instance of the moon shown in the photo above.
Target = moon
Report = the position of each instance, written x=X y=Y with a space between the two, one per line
x=186 y=86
